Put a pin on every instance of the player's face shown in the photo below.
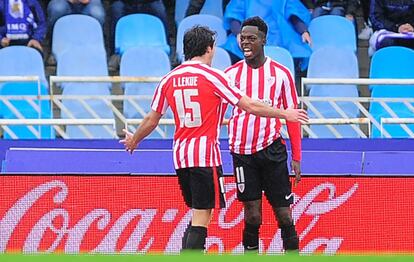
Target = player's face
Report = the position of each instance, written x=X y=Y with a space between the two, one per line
x=251 y=42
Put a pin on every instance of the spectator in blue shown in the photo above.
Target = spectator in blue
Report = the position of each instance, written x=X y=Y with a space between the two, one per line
x=120 y=8
x=393 y=24
x=287 y=20
x=58 y=8
x=22 y=22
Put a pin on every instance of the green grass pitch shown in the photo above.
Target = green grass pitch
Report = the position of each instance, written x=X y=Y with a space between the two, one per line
x=190 y=257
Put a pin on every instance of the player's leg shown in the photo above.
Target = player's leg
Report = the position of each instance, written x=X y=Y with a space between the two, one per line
x=199 y=194
x=252 y=222
x=278 y=191
x=249 y=191
x=289 y=236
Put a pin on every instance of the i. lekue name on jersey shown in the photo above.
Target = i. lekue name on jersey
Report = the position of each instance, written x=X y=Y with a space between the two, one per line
x=185 y=81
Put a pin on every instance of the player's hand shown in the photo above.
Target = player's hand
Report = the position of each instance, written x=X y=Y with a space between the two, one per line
x=128 y=141
x=296 y=169
x=306 y=38
x=296 y=115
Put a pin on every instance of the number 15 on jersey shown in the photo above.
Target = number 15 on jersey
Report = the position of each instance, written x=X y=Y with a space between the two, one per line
x=189 y=112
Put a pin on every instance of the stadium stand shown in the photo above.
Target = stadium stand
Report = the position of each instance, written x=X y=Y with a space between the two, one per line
x=332 y=30
x=24 y=61
x=144 y=62
x=140 y=30
x=392 y=62
x=210 y=7
x=331 y=62
x=281 y=55
x=74 y=31
x=213 y=22
x=93 y=64
x=221 y=59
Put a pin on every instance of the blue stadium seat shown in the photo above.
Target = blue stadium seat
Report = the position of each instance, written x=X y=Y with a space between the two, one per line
x=221 y=59
x=332 y=30
x=400 y=110
x=144 y=62
x=281 y=55
x=76 y=31
x=213 y=22
x=84 y=61
x=140 y=30
x=330 y=62
x=41 y=110
x=21 y=61
x=392 y=62
x=210 y=7
x=24 y=61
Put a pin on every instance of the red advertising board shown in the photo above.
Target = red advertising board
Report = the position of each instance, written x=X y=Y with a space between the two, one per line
x=106 y=214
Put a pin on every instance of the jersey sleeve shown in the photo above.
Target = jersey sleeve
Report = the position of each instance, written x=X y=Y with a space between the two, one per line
x=290 y=100
x=225 y=89
x=159 y=101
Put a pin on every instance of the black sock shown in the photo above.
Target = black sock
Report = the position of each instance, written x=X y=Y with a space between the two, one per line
x=196 y=238
x=251 y=236
x=185 y=236
x=290 y=238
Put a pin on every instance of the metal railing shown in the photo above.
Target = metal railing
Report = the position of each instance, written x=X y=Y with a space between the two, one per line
x=362 y=125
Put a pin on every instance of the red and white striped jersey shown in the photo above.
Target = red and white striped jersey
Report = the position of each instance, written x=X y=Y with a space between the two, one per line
x=272 y=84
x=195 y=92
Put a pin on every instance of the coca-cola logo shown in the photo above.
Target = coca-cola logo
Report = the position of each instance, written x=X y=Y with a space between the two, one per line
x=69 y=235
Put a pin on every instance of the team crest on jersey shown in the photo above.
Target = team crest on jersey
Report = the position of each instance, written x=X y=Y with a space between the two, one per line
x=240 y=179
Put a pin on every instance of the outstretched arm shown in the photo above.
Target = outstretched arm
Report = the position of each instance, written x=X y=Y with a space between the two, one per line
x=260 y=109
x=149 y=123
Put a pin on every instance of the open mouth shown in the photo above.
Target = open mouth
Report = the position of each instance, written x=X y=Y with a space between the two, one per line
x=247 y=51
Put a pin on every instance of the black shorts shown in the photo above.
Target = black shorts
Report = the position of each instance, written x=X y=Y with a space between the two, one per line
x=266 y=171
x=197 y=186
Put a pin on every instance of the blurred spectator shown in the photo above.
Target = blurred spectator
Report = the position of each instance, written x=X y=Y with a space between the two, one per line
x=393 y=24
x=58 y=8
x=194 y=7
x=22 y=22
x=120 y=8
x=345 y=8
x=366 y=32
x=287 y=20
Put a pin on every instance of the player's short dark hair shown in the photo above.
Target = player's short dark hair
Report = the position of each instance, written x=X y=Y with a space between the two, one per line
x=256 y=21
x=196 y=40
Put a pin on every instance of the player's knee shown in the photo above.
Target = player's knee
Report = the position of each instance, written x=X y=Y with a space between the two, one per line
x=251 y=236
x=290 y=237
x=284 y=216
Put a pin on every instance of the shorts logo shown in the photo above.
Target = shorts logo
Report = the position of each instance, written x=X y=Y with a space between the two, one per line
x=287 y=197
x=240 y=179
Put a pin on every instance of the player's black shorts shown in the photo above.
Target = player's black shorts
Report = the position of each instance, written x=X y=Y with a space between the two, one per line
x=197 y=186
x=266 y=171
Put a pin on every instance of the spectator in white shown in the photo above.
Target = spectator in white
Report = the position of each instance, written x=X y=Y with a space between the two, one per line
x=393 y=24
x=22 y=22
